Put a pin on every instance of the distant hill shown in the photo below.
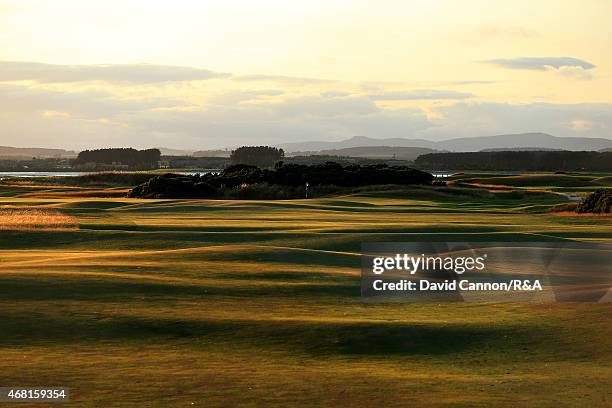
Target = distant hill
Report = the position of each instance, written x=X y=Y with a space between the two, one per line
x=539 y=140
x=357 y=141
x=521 y=149
x=383 y=152
x=29 y=152
x=465 y=144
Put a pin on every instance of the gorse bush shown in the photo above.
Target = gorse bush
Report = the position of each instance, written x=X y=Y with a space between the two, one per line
x=174 y=186
x=598 y=202
x=295 y=180
x=330 y=173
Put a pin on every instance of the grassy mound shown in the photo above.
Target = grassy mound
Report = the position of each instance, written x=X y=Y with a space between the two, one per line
x=533 y=180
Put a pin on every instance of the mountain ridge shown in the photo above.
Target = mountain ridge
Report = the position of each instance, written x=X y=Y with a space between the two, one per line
x=475 y=143
x=39 y=152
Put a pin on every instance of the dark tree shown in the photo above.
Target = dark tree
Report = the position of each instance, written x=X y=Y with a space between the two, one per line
x=260 y=156
x=135 y=159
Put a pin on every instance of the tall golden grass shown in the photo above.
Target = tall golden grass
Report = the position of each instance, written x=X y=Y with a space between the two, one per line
x=575 y=214
x=35 y=219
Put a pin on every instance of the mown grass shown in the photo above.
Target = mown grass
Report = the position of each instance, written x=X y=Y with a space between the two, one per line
x=562 y=183
x=170 y=303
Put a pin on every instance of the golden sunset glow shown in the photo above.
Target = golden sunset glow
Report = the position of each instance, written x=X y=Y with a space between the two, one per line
x=212 y=74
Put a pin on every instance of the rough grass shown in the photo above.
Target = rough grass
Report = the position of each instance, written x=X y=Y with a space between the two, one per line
x=575 y=214
x=23 y=219
x=216 y=303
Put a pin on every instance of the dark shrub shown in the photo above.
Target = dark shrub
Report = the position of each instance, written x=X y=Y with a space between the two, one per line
x=598 y=202
x=284 y=181
x=174 y=186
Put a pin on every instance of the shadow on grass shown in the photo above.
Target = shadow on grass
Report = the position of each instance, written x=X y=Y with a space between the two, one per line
x=308 y=337
x=43 y=288
x=179 y=228
x=96 y=239
x=332 y=240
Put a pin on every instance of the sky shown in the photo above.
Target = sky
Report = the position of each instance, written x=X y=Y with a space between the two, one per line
x=216 y=74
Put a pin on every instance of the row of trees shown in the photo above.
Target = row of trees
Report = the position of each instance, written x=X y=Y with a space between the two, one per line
x=135 y=159
x=518 y=161
x=260 y=156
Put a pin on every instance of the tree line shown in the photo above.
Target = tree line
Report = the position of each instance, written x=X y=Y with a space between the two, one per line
x=260 y=156
x=135 y=159
x=517 y=161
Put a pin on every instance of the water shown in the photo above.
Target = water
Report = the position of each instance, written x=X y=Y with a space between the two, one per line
x=39 y=173
x=77 y=173
x=193 y=173
x=573 y=197
x=442 y=174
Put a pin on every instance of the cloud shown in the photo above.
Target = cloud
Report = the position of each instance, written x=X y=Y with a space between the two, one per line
x=335 y=94
x=297 y=119
x=241 y=96
x=121 y=73
x=84 y=104
x=35 y=116
x=282 y=79
x=489 y=118
x=420 y=94
x=487 y=32
x=581 y=125
x=316 y=106
x=320 y=118
x=55 y=114
x=473 y=82
x=541 y=63
x=575 y=73
x=94 y=119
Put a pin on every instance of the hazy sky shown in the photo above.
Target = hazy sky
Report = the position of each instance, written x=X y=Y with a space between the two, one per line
x=204 y=74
